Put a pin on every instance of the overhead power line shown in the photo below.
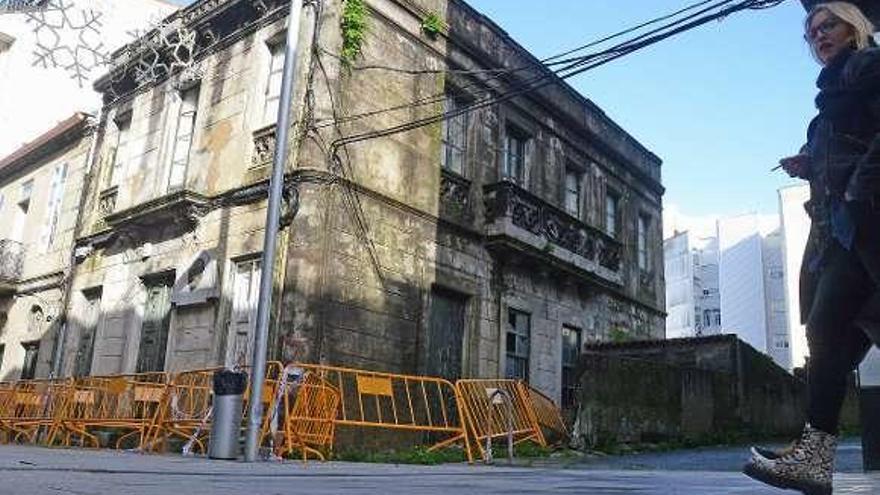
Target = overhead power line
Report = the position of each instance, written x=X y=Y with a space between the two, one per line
x=571 y=67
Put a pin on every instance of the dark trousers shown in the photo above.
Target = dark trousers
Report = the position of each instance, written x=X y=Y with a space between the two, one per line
x=847 y=286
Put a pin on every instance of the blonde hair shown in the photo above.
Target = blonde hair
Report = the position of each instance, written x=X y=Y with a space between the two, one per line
x=862 y=27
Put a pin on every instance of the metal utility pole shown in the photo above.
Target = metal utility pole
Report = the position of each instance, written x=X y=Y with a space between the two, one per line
x=273 y=215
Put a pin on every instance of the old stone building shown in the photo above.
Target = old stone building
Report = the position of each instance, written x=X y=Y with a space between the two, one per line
x=493 y=243
x=40 y=192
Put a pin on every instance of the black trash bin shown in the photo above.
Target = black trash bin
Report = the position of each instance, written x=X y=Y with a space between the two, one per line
x=229 y=389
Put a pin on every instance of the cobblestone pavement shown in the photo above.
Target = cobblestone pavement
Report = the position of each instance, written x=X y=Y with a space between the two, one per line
x=30 y=470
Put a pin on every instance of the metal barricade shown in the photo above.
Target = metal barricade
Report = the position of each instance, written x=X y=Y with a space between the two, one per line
x=309 y=422
x=35 y=407
x=371 y=399
x=486 y=415
x=129 y=403
x=186 y=411
x=7 y=396
x=549 y=417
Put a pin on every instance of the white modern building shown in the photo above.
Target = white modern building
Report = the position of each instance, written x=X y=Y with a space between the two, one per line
x=795 y=229
x=693 y=303
x=49 y=60
x=732 y=282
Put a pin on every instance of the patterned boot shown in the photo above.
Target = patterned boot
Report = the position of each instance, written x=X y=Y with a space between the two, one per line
x=808 y=465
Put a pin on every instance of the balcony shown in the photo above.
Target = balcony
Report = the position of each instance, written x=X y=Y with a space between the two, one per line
x=516 y=218
x=181 y=208
x=11 y=261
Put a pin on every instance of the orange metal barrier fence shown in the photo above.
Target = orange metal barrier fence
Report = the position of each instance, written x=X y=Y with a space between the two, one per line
x=402 y=402
x=122 y=402
x=309 y=421
x=303 y=404
x=548 y=416
x=489 y=405
x=34 y=406
x=186 y=409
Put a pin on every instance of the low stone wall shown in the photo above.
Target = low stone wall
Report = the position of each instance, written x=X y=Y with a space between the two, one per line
x=701 y=390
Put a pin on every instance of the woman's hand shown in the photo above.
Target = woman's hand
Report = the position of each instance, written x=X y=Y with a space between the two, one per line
x=796 y=166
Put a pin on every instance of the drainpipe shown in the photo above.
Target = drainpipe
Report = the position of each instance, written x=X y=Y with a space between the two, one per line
x=61 y=335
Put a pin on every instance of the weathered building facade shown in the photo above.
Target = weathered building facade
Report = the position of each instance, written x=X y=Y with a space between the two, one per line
x=40 y=192
x=492 y=243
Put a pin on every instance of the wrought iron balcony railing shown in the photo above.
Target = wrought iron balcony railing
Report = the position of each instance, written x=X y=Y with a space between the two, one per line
x=507 y=201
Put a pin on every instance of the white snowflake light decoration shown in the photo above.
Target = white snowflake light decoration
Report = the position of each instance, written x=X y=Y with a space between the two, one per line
x=69 y=39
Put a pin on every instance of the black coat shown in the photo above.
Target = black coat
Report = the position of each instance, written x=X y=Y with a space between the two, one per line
x=843 y=143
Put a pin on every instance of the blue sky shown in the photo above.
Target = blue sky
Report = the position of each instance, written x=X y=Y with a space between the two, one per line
x=720 y=104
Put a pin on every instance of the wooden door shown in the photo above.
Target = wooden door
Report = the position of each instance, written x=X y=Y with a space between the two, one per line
x=446 y=335
x=243 y=323
x=154 y=332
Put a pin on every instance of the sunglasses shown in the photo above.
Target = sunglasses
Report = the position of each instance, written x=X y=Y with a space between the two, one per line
x=824 y=28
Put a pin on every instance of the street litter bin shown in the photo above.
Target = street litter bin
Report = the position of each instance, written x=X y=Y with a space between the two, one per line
x=226 y=424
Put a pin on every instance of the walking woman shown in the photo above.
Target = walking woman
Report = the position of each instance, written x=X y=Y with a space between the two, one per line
x=840 y=276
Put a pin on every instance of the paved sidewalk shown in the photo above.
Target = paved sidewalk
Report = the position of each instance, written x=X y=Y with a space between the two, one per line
x=38 y=471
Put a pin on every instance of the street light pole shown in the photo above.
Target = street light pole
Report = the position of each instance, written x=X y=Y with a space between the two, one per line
x=273 y=215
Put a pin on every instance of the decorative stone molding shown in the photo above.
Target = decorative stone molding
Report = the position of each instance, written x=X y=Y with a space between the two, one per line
x=264 y=147
x=455 y=197
x=507 y=201
x=11 y=261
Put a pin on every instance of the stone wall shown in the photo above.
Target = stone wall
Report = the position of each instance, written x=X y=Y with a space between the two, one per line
x=713 y=388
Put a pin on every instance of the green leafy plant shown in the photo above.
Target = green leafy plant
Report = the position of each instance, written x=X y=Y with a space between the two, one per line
x=618 y=335
x=433 y=24
x=354 y=30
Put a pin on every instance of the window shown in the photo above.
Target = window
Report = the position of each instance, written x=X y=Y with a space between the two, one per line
x=707 y=317
x=454 y=136
x=29 y=367
x=717 y=313
x=643 y=229
x=246 y=294
x=273 y=87
x=612 y=202
x=571 y=351
x=515 y=155
x=56 y=195
x=186 y=123
x=123 y=125
x=518 y=336
x=24 y=206
x=573 y=179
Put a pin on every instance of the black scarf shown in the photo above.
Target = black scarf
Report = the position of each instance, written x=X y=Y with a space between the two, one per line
x=845 y=103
